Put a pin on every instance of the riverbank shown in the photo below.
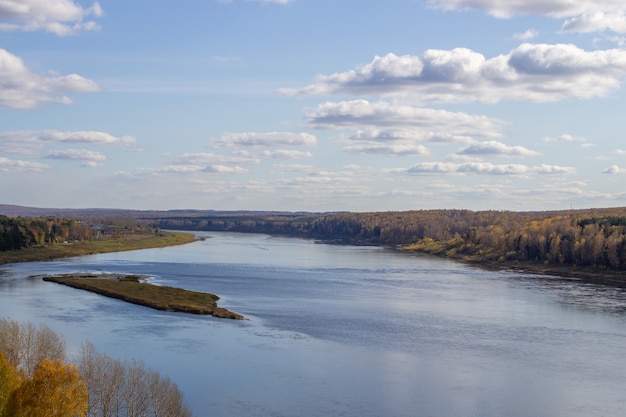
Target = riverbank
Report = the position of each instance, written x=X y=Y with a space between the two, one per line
x=587 y=275
x=134 y=289
x=90 y=247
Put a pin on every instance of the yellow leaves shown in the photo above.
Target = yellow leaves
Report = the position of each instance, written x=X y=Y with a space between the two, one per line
x=54 y=390
x=9 y=381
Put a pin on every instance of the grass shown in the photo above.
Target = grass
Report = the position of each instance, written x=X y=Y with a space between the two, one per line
x=103 y=245
x=132 y=290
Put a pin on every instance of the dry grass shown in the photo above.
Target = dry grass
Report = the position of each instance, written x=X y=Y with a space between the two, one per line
x=104 y=245
x=161 y=298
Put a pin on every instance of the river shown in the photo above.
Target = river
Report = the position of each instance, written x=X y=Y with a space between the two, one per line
x=347 y=331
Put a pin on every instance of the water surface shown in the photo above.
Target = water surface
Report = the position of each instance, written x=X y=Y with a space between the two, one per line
x=347 y=331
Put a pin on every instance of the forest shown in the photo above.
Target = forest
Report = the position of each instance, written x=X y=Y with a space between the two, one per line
x=592 y=238
x=24 y=232
x=36 y=380
x=589 y=238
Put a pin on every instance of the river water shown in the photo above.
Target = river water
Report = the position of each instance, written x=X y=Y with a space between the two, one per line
x=347 y=331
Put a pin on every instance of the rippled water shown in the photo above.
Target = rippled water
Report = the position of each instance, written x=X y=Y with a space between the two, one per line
x=348 y=331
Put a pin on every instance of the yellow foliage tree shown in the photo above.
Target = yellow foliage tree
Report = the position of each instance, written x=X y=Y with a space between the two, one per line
x=9 y=381
x=54 y=390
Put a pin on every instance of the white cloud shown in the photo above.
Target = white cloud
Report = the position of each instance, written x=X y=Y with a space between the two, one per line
x=620 y=152
x=224 y=169
x=484 y=168
x=26 y=141
x=265 y=139
x=88 y=158
x=614 y=169
x=22 y=89
x=495 y=148
x=564 y=138
x=530 y=72
x=287 y=154
x=12 y=165
x=508 y=8
x=398 y=149
x=359 y=114
x=582 y=16
x=206 y=159
x=61 y=17
x=596 y=22
x=407 y=135
x=527 y=35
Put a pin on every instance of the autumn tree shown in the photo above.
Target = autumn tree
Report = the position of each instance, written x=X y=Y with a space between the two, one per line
x=9 y=381
x=54 y=390
x=26 y=345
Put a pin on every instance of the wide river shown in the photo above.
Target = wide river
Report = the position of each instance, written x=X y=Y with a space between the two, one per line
x=347 y=331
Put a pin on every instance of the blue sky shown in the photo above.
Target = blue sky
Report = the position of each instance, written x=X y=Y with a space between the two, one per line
x=313 y=105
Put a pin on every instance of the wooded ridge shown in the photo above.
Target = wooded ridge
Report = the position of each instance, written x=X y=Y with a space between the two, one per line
x=587 y=238
x=590 y=238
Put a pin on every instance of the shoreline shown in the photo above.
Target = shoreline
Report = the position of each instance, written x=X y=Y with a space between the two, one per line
x=92 y=247
x=588 y=275
x=134 y=289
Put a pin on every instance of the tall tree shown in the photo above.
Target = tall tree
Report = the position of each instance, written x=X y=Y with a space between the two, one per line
x=54 y=390
x=9 y=381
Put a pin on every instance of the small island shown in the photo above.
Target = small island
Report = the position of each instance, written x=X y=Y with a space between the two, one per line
x=134 y=289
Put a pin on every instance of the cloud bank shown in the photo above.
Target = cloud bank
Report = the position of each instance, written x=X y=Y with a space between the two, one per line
x=61 y=17
x=485 y=168
x=27 y=141
x=530 y=72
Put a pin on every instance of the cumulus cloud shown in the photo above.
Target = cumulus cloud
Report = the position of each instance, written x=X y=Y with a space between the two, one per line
x=399 y=141
x=22 y=89
x=530 y=72
x=27 y=141
x=88 y=158
x=61 y=17
x=358 y=114
x=495 y=148
x=596 y=22
x=408 y=135
x=524 y=36
x=398 y=149
x=614 y=169
x=287 y=154
x=582 y=16
x=207 y=158
x=224 y=169
x=13 y=165
x=197 y=164
x=484 y=168
x=265 y=139
x=564 y=138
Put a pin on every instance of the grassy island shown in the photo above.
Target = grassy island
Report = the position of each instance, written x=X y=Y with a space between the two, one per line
x=132 y=289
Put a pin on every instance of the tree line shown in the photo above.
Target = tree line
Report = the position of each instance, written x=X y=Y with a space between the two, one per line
x=37 y=381
x=23 y=232
x=588 y=238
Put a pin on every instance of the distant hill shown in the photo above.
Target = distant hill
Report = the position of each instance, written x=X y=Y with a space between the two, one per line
x=92 y=213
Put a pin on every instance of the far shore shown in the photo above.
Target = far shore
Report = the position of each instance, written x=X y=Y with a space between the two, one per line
x=89 y=247
x=587 y=275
